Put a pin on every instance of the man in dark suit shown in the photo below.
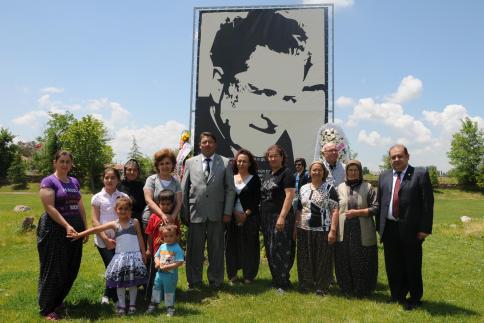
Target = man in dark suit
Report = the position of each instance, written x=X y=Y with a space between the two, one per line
x=406 y=203
x=208 y=198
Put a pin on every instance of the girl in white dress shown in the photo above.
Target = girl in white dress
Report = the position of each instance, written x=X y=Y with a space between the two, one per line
x=127 y=268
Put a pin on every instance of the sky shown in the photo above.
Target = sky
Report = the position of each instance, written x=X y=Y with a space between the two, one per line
x=404 y=71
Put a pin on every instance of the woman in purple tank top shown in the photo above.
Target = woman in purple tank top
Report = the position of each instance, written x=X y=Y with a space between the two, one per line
x=60 y=258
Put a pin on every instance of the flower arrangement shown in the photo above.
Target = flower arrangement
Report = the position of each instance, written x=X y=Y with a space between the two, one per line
x=332 y=133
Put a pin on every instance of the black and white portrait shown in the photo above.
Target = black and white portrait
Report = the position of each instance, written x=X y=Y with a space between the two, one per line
x=262 y=79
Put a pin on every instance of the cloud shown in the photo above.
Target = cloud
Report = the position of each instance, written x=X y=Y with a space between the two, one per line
x=32 y=119
x=337 y=3
x=391 y=113
x=450 y=118
x=149 y=138
x=118 y=115
x=344 y=101
x=373 y=138
x=409 y=88
x=51 y=90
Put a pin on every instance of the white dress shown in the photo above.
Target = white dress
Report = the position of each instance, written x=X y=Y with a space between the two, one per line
x=126 y=269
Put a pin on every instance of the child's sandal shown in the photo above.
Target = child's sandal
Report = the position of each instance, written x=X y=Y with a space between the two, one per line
x=132 y=309
x=120 y=310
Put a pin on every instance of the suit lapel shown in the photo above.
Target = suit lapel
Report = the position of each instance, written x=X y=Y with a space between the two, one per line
x=407 y=177
x=215 y=164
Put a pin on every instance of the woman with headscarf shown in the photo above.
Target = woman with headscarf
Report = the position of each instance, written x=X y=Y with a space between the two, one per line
x=133 y=186
x=356 y=255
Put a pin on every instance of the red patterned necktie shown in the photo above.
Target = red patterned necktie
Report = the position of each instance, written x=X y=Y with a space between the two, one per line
x=395 y=196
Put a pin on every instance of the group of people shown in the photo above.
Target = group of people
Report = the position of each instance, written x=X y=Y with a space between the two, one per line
x=327 y=212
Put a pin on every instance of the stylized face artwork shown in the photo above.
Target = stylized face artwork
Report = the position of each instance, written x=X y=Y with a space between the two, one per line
x=262 y=104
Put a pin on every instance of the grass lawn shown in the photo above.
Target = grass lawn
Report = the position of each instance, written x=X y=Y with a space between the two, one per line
x=452 y=269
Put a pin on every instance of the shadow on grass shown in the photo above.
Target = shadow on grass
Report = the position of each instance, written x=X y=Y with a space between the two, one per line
x=439 y=308
x=206 y=293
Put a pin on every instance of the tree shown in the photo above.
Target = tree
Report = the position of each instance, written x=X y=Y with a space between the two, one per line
x=16 y=172
x=50 y=142
x=7 y=151
x=365 y=170
x=87 y=140
x=467 y=153
x=434 y=176
x=386 y=163
x=134 y=151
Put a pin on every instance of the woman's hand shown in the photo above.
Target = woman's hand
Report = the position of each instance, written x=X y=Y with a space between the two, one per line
x=148 y=252
x=280 y=223
x=240 y=217
x=332 y=237
x=351 y=214
x=110 y=244
x=71 y=232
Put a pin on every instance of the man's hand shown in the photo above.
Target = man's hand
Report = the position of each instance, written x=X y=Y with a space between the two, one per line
x=422 y=235
x=226 y=218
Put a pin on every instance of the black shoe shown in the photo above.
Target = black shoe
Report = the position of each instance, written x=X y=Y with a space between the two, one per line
x=195 y=286
x=215 y=286
x=412 y=305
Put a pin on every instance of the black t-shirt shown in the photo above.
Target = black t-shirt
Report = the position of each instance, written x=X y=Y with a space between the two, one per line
x=272 y=190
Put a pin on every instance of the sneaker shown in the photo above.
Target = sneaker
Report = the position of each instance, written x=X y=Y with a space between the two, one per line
x=132 y=309
x=53 y=316
x=170 y=311
x=120 y=310
x=151 y=308
x=320 y=292
x=280 y=291
x=104 y=300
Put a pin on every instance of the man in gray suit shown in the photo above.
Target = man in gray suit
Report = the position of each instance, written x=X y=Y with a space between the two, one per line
x=208 y=199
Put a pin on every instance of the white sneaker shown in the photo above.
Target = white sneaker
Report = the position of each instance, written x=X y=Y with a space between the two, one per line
x=104 y=300
x=170 y=311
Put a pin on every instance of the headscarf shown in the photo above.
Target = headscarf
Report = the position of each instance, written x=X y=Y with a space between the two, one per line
x=355 y=182
x=132 y=163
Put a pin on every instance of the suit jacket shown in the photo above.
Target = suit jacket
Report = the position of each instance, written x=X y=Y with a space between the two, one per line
x=415 y=206
x=207 y=199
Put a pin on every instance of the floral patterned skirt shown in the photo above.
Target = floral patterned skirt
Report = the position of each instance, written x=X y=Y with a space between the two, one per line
x=126 y=269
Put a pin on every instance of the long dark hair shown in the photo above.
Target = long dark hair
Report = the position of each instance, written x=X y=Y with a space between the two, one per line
x=253 y=164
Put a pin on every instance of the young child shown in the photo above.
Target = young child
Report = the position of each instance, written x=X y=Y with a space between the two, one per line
x=167 y=260
x=154 y=231
x=127 y=268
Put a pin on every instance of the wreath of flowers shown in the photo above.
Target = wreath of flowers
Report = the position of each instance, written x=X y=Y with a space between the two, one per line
x=334 y=134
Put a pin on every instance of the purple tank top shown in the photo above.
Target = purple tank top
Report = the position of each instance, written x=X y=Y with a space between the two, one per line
x=67 y=195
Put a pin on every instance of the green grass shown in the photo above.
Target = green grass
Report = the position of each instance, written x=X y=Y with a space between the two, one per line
x=453 y=279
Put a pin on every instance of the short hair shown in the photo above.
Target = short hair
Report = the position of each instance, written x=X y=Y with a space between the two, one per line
x=112 y=169
x=162 y=154
x=398 y=146
x=253 y=164
x=170 y=228
x=167 y=195
x=61 y=153
x=320 y=163
x=279 y=150
x=207 y=134
x=236 y=40
x=302 y=161
x=124 y=200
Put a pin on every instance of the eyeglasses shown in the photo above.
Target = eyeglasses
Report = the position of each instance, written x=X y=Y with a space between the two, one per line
x=331 y=151
x=297 y=164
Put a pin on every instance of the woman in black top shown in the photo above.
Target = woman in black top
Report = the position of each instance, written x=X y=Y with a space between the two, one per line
x=133 y=186
x=277 y=217
x=243 y=248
